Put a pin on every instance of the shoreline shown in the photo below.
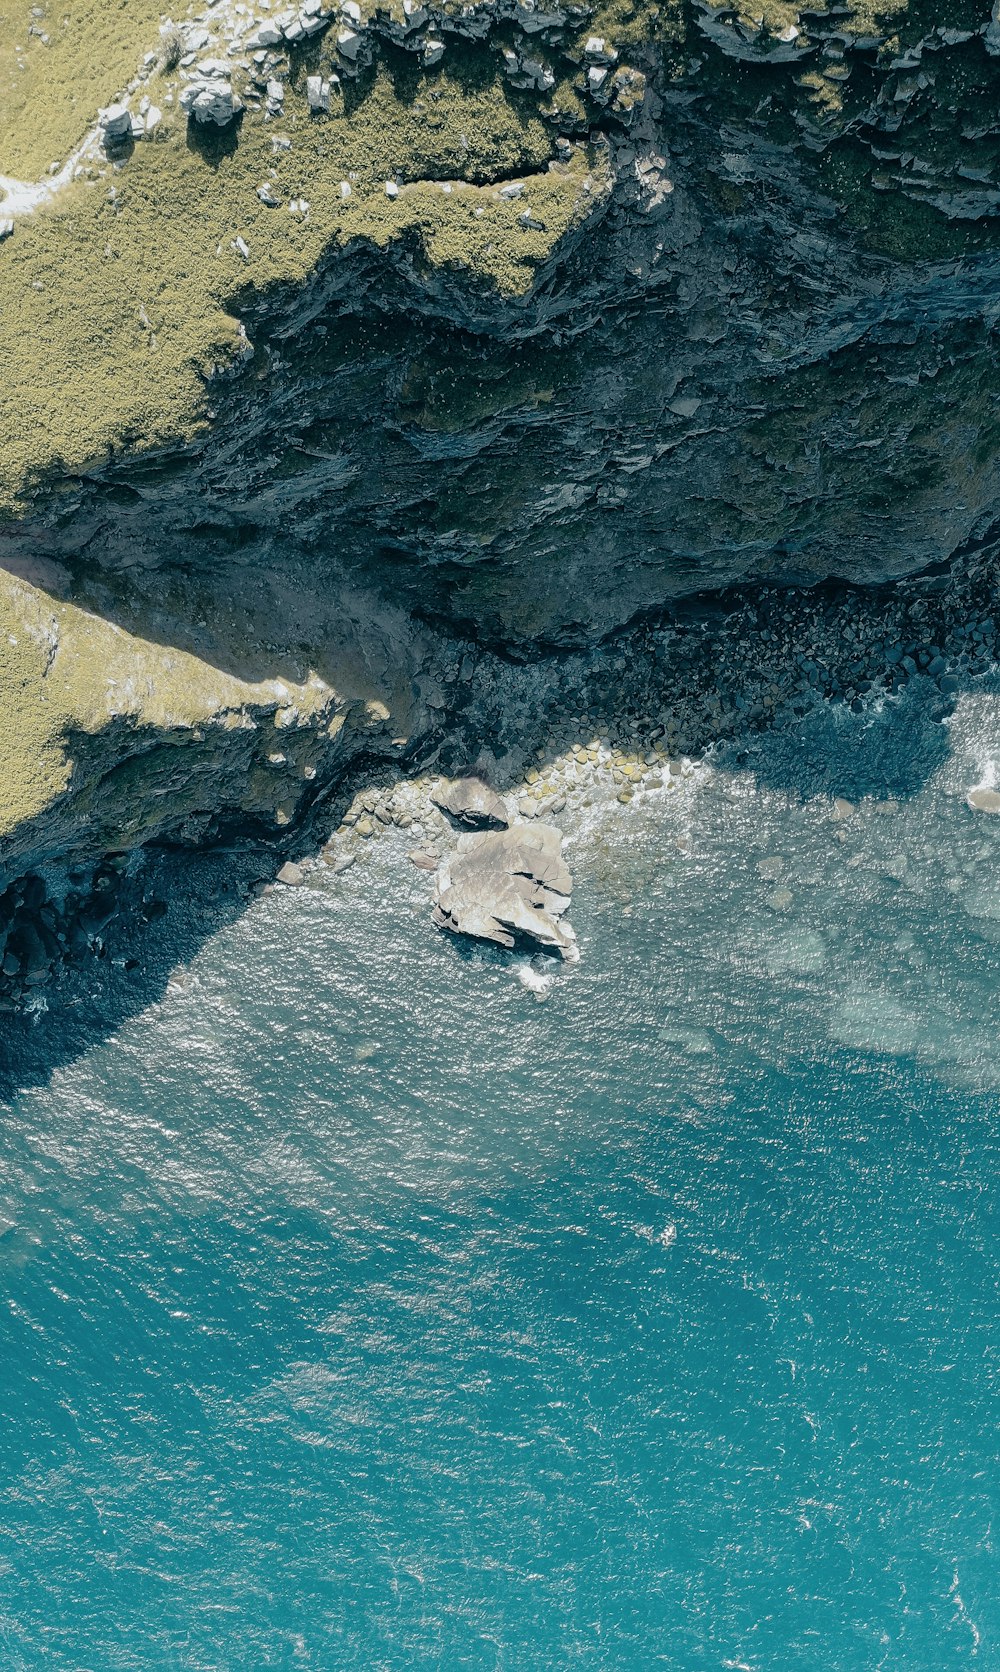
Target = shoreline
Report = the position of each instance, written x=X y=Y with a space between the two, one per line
x=631 y=716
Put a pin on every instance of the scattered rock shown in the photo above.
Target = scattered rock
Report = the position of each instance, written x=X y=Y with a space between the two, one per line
x=423 y=859
x=291 y=874
x=209 y=96
x=984 y=800
x=499 y=884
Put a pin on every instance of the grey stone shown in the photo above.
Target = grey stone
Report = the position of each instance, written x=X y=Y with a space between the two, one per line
x=115 y=122
x=472 y=803
x=318 y=94
x=499 y=884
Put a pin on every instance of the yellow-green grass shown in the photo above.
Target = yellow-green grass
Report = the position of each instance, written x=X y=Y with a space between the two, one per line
x=50 y=91
x=112 y=312
x=64 y=672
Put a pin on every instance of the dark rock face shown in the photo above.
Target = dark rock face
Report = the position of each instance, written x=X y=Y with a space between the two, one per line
x=774 y=357
x=504 y=883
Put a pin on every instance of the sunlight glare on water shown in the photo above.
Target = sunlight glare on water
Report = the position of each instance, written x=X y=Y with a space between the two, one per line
x=365 y=1312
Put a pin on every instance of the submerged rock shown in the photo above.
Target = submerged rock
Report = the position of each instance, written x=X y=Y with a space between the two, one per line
x=473 y=803
x=499 y=884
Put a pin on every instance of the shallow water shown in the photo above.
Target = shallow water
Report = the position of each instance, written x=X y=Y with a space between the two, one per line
x=365 y=1312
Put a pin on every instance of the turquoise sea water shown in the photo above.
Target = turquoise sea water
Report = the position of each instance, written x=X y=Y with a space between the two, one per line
x=361 y=1311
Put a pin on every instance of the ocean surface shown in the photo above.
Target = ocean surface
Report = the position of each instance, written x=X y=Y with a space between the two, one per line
x=362 y=1310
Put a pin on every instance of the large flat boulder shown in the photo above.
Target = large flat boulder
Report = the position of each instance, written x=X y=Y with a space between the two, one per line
x=499 y=884
x=473 y=803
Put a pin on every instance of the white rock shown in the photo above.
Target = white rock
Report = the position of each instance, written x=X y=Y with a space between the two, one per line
x=348 y=43
x=345 y=189
x=115 y=122
x=433 y=51
x=391 y=189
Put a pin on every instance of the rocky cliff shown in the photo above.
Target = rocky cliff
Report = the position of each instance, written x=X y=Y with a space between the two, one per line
x=338 y=342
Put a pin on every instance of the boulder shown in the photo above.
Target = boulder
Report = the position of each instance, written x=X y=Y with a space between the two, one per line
x=318 y=90
x=500 y=884
x=115 y=123
x=473 y=803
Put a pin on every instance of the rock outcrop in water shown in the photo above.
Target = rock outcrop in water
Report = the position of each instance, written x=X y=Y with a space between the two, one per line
x=503 y=884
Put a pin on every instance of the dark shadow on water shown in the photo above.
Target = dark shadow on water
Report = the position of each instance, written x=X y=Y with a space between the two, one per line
x=202 y=892
x=889 y=750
